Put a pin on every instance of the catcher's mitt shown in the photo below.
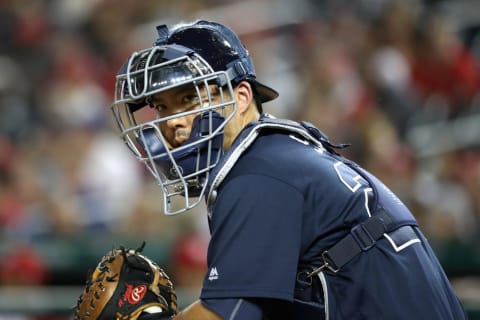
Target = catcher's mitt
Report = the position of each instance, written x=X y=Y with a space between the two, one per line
x=126 y=285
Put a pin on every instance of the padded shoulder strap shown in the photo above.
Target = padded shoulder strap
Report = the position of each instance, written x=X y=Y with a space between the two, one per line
x=305 y=129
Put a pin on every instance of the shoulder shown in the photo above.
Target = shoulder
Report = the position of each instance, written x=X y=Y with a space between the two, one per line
x=286 y=159
x=284 y=154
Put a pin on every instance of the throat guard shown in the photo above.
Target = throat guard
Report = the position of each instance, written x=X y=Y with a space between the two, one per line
x=183 y=162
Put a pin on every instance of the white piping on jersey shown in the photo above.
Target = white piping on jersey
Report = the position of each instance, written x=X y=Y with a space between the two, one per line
x=367 y=208
x=403 y=246
x=235 y=310
x=323 y=281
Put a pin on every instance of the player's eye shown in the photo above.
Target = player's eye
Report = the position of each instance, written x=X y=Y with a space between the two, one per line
x=160 y=108
x=190 y=99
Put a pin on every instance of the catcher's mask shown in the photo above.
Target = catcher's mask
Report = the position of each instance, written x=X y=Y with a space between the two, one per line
x=206 y=59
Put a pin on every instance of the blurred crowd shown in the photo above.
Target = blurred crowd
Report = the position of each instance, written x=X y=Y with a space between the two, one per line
x=398 y=80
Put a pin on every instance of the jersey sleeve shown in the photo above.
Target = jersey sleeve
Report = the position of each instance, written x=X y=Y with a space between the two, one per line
x=256 y=239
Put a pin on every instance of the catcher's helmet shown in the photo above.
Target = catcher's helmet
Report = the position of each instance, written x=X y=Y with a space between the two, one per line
x=208 y=58
x=221 y=48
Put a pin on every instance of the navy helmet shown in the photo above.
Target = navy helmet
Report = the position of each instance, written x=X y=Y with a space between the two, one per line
x=221 y=48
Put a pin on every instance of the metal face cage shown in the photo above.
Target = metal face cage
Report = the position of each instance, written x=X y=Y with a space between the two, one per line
x=182 y=172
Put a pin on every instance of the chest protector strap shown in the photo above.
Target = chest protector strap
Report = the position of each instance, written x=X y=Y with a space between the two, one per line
x=248 y=136
x=362 y=237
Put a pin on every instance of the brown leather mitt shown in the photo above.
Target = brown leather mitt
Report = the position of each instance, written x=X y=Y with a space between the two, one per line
x=127 y=285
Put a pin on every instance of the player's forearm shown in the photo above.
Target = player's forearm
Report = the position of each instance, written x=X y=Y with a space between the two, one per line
x=196 y=311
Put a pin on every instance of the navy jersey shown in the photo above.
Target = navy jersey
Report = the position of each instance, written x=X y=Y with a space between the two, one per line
x=282 y=205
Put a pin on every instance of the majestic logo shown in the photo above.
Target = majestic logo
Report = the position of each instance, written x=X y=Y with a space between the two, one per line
x=133 y=294
x=213 y=274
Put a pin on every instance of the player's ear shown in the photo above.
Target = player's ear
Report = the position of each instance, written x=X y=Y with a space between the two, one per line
x=244 y=96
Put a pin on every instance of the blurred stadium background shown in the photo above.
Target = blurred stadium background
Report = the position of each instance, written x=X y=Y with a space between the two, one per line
x=397 y=79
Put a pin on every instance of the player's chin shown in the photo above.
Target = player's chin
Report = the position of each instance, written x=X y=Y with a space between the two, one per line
x=179 y=141
x=174 y=142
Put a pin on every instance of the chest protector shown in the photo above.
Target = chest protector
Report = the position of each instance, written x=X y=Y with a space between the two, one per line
x=362 y=236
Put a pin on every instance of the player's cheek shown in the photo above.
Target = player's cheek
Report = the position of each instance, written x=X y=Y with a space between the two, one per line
x=168 y=134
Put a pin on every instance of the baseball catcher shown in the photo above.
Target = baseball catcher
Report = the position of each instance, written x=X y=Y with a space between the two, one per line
x=339 y=243
x=127 y=285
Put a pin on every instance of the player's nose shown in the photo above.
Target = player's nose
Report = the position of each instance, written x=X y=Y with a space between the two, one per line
x=177 y=122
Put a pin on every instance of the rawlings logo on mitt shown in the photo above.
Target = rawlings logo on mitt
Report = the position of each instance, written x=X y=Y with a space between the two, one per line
x=127 y=285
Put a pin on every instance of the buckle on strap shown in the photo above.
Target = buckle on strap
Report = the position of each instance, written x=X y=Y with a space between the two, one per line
x=362 y=237
x=327 y=264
